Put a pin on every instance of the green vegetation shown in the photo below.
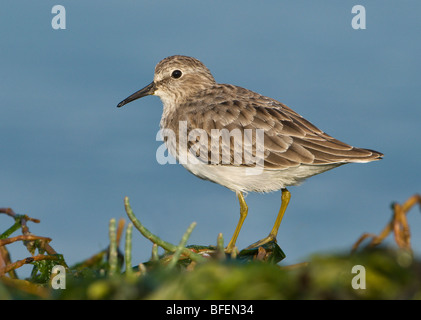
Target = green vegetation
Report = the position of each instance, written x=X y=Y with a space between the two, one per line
x=207 y=272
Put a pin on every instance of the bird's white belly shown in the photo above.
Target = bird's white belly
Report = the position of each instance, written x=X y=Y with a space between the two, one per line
x=256 y=179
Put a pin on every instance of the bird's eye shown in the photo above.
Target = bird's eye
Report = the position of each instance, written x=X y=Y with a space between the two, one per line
x=176 y=74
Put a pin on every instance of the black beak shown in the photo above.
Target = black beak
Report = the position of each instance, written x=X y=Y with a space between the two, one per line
x=146 y=91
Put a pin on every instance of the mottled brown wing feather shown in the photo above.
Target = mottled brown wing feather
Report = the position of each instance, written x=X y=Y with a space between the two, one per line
x=289 y=139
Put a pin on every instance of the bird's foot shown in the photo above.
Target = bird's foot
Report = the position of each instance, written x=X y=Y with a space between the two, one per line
x=269 y=238
x=266 y=249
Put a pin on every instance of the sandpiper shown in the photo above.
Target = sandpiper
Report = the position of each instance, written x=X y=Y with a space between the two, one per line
x=293 y=149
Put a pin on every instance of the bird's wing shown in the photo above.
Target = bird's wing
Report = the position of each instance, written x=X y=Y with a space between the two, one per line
x=232 y=124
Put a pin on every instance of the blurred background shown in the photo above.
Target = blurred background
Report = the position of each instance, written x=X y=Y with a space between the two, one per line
x=69 y=156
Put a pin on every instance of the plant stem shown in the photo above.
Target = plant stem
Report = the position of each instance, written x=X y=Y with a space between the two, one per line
x=155 y=239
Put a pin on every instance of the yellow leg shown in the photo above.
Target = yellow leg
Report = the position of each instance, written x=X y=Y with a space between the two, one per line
x=243 y=214
x=286 y=196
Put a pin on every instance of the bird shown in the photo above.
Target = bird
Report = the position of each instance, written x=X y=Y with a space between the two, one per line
x=223 y=126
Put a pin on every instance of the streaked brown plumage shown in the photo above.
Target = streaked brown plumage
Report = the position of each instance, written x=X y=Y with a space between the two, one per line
x=290 y=140
x=294 y=149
